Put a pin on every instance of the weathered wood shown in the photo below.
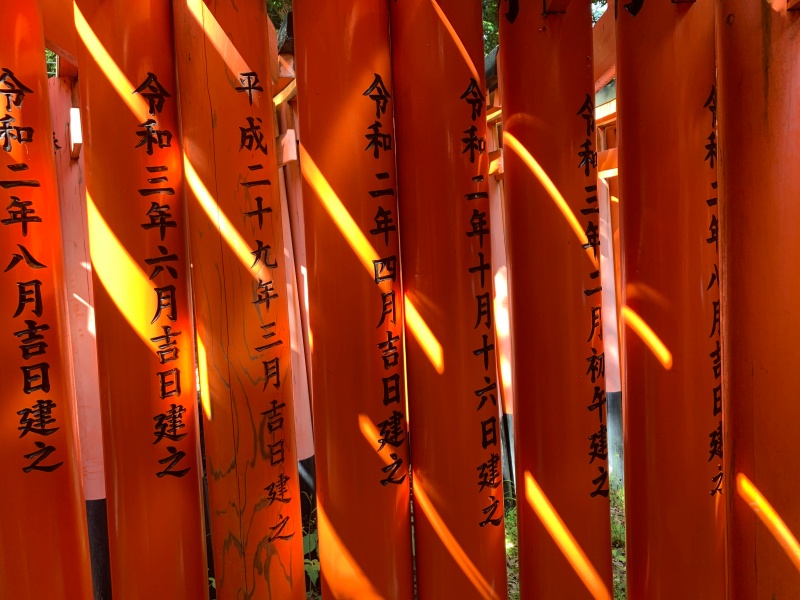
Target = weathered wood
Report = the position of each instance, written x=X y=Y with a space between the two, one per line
x=226 y=64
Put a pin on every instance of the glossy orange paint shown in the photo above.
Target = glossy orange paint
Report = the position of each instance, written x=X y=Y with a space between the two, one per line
x=241 y=298
x=80 y=299
x=355 y=304
x=551 y=225
x=669 y=224
x=135 y=213
x=759 y=62
x=443 y=167
x=45 y=550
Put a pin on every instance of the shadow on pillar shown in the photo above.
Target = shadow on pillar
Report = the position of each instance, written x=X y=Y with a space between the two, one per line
x=97 y=518
x=509 y=487
x=615 y=446
x=308 y=506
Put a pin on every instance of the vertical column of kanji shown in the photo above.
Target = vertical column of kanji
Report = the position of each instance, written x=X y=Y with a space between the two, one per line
x=239 y=277
x=144 y=330
x=44 y=551
x=670 y=288
x=437 y=57
x=355 y=301
x=553 y=238
x=759 y=132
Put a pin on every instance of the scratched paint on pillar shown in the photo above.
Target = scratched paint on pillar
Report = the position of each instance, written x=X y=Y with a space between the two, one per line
x=240 y=298
x=44 y=552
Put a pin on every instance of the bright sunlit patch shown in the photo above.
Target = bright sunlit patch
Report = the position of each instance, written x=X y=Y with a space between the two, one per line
x=648 y=336
x=90 y=321
x=564 y=539
x=513 y=144
x=348 y=580
x=202 y=368
x=372 y=435
x=304 y=273
x=605 y=110
x=285 y=94
x=337 y=212
x=221 y=42
x=456 y=39
x=608 y=173
x=453 y=547
x=366 y=253
x=123 y=280
x=215 y=215
x=110 y=69
x=424 y=336
x=771 y=519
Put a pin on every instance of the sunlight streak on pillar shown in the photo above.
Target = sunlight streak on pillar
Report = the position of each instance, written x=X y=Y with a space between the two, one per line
x=564 y=539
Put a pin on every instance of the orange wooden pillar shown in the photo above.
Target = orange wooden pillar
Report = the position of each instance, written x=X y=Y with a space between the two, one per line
x=144 y=329
x=241 y=300
x=759 y=118
x=355 y=301
x=44 y=551
x=670 y=306
x=553 y=236
x=66 y=126
x=453 y=390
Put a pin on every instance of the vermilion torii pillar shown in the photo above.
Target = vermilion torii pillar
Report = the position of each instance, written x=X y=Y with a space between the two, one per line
x=666 y=101
x=553 y=235
x=437 y=58
x=241 y=300
x=355 y=300
x=144 y=330
x=44 y=551
x=759 y=117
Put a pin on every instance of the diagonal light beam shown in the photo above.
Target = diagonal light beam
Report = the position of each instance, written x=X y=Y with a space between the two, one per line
x=513 y=144
x=109 y=67
x=769 y=517
x=360 y=245
x=564 y=539
x=648 y=336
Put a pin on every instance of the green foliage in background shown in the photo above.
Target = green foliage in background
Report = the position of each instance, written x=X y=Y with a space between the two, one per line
x=52 y=63
x=491 y=13
x=277 y=9
x=512 y=554
x=618 y=559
